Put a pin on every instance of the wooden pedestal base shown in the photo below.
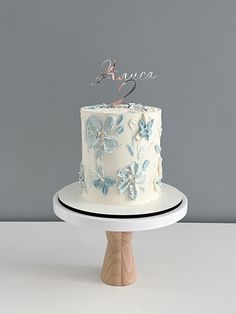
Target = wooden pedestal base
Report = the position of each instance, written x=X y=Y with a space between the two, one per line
x=118 y=265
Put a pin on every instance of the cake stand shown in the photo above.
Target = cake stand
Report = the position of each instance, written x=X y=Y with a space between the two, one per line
x=119 y=223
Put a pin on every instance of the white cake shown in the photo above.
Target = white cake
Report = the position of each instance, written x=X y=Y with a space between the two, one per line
x=121 y=161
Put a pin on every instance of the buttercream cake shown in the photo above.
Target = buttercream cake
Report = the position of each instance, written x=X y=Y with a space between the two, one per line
x=121 y=154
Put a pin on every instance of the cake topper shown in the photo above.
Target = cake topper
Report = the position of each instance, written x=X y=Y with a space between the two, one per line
x=108 y=71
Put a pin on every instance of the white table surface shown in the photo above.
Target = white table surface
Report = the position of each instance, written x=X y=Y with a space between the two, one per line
x=54 y=267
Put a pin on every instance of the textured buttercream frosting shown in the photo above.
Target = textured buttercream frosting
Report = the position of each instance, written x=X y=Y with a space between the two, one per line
x=121 y=160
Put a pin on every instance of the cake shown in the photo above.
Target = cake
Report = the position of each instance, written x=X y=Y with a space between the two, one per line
x=121 y=154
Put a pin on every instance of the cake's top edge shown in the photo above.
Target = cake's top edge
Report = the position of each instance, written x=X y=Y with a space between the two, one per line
x=130 y=107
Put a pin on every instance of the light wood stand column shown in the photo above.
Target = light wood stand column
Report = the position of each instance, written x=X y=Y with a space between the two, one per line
x=119 y=265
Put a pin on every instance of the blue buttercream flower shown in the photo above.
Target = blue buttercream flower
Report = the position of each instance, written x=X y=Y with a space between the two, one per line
x=102 y=182
x=145 y=128
x=142 y=127
x=129 y=178
x=98 y=137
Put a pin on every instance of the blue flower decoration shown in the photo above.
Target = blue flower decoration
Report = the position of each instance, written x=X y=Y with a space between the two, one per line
x=97 y=134
x=129 y=178
x=82 y=183
x=145 y=129
x=103 y=183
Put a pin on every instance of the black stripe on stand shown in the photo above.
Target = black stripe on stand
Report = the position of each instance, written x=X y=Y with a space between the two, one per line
x=83 y=212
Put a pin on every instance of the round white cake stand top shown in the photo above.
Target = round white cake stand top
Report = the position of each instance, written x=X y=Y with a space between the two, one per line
x=123 y=224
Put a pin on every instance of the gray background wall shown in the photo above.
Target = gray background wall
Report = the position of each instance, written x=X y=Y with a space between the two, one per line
x=50 y=52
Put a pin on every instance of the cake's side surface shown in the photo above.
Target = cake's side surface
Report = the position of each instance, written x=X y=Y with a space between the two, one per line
x=121 y=160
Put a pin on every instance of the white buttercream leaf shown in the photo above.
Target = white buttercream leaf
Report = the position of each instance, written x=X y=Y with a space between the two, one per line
x=159 y=167
x=133 y=124
x=140 y=179
x=138 y=137
x=100 y=172
x=157 y=148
